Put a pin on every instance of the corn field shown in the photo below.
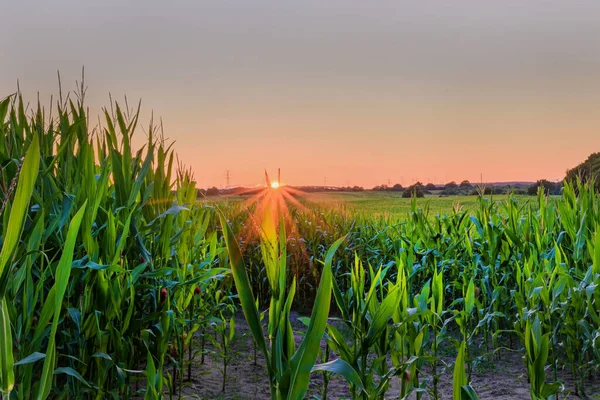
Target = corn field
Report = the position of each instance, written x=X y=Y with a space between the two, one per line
x=115 y=279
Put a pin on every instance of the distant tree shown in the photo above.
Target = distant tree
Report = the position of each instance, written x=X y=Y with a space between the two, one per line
x=450 y=192
x=587 y=171
x=396 y=188
x=213 y=191
x=552 y=188
x=430 y=186
x=450 y=185
x=489 y=190
x=381 y=188
x=466 y=184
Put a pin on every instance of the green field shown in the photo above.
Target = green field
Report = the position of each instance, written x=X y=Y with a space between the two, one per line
x=391 y=204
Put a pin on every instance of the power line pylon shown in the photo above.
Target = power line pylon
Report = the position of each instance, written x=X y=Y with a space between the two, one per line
x=227 y=178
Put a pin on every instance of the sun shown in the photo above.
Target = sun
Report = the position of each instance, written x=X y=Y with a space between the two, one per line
x=274 y=184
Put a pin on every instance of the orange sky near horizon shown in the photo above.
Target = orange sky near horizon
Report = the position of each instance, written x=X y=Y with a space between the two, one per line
x=343 y=92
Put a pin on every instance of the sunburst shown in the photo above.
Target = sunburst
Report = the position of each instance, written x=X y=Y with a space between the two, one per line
x=278 y=199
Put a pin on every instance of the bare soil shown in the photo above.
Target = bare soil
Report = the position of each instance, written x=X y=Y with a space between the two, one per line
x=504 y=378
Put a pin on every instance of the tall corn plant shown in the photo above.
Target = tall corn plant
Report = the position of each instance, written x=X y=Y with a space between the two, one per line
x=288 y=368
x=536 y=352
x=128 y=250
x=55 y=302
x=11 y=234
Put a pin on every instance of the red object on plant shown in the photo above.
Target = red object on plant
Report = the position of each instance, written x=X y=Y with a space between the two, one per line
x=142 y=259
x=197 y=290
x=163 y=295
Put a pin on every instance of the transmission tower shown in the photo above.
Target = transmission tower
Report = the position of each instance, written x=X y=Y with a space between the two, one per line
x=227 y=178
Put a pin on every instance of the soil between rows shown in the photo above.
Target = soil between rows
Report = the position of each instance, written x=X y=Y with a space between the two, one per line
x=503 y=379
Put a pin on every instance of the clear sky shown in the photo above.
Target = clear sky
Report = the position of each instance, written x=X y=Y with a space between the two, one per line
x=358 y=92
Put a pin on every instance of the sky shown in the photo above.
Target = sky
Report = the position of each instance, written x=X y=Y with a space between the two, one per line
x=339 y=92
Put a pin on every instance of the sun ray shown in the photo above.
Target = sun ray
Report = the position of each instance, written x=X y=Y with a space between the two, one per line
x=287 y=210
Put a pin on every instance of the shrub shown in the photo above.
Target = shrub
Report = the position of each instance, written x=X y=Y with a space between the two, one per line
x=415 y=190
x=213 y=191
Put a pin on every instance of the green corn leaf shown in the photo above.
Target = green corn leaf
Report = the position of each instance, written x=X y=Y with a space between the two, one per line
x=470 y=297
x=306 y=355
x=242 y=284
x=45 y=384
x=372 y=290
x=383 y=314
x=418 y=342
x=137 y=185
x=459 y=377
x=25 y=185
x=4 y=107
x=36 y=356
x=285 y=321
x=102 y=355
x=45 y=315
x=63 y=272
x=123 y=238
x=7 y=375
x=596 y=267
x=344 y=369
x=150 y=373
x=339 y=300
x=337 y=342
x=438 y=292
x=18 y=209
x=468 y=393
x=71 y=372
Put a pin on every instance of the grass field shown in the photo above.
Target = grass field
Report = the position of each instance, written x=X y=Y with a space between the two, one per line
x=391 y=203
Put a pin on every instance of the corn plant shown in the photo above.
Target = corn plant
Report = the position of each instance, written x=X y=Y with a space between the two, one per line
x=367 y=319
x=288 y=369
x=100 y=267
x=537 y=350
x=10 y=234
x=461 y=389
x=222 y=342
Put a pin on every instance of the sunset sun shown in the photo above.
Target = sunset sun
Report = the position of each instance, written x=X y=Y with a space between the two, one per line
x=274 y=184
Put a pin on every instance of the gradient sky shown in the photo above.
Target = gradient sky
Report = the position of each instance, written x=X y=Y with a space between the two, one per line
x=357 y=92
